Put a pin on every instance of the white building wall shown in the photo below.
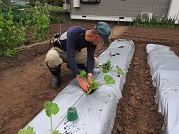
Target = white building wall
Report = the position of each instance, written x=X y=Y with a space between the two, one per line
x=119 y=10
x=173 y=11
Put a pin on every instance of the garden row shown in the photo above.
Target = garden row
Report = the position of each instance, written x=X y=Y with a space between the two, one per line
x=164 y=68
x=96 y=111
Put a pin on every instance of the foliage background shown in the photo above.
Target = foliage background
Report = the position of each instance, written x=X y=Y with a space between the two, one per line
x=18 y=21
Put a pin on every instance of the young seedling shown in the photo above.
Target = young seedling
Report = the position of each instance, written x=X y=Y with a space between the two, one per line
x=82 y=73
x=94 y=84
x=107 y=66
x=119 y=71
x=109 y=80
x=29 y=130
x=51 y=108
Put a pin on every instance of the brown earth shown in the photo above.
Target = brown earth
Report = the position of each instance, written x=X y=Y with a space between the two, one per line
x=25 y=79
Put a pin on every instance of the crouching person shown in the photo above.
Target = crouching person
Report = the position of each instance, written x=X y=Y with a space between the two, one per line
x=67 y=49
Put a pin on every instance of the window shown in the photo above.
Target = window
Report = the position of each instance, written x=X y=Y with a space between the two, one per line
x=90 y=1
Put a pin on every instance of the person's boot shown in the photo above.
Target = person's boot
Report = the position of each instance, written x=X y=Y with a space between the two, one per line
x=55 y=83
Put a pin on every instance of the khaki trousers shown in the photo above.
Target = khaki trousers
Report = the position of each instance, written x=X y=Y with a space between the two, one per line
x=55 y=57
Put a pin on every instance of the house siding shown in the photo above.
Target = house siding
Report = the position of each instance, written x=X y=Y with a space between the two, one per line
x=125 y=8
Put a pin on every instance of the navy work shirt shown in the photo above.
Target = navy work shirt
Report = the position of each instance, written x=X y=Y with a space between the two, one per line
x=73 y=40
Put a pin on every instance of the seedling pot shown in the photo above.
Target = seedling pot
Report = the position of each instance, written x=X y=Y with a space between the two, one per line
x=72 y=114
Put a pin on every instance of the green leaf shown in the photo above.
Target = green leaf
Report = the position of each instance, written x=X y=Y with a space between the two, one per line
x=55 y=132
x=105 y=71
x=109 y=80
x=119 y=70
x=29 y=130
x=106 y=67
x=93 y=86
x=82 y=73
x=51 y=108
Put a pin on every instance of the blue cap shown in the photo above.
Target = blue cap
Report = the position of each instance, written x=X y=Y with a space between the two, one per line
x=103 y=30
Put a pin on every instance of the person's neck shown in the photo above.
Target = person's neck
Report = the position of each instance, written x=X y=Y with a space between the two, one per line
x=88 y=35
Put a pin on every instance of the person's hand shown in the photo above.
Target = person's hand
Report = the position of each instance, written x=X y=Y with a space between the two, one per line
x=90 y=81
x=84 y=84
x=89 y=78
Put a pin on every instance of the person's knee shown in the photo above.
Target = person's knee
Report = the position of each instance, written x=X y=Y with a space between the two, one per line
x=52 y=59
x=96 y=62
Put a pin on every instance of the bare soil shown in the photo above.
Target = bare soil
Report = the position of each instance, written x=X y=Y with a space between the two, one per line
x=25 y=82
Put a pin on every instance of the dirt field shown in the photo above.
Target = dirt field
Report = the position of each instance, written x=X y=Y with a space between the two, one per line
x=25 y=79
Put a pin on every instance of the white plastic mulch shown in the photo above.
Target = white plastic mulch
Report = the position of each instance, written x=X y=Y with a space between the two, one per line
x=164 y=68
x=96 y=111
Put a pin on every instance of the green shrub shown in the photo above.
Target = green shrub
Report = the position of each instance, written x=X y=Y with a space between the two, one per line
x=11 y=33
x=15 y=19
x=40 y=23
x=17 y=12
x=155 y=22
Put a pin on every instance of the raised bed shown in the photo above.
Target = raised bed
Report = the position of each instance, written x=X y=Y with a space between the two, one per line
x=164 y=68
x=96 y=111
